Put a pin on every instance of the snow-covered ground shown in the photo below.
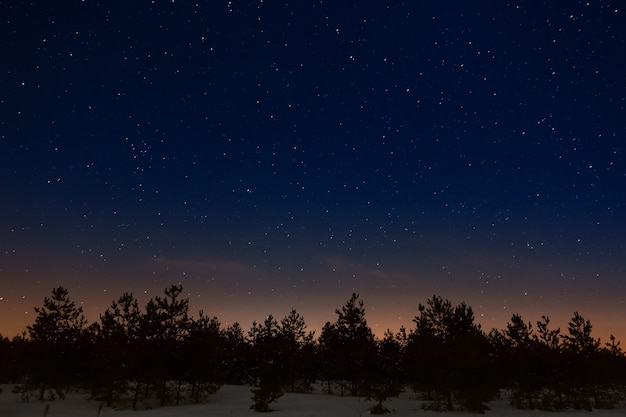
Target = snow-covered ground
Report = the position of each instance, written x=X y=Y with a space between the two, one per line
x=234 y=401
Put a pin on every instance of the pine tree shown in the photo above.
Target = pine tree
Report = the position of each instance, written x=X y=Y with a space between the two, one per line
x=117 y=351
x=550 y=366
x=546 y=337
x=581 y=374
x=579 y=339
x=518 y=333
x=384 y=373
x=520 y=339
x=264 y=338
x=268 y=370
x=164 y=327
x=236 y=353
x=269 y=388
x=59 y=321
x=355 y=343
x=174 y=312
x=57 y=345
x=448 y=354
x=296 y=351
x=203 y=354
x=613 y=347
x=329 y=361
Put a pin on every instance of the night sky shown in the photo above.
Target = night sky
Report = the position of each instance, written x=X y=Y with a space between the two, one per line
x=271 y=155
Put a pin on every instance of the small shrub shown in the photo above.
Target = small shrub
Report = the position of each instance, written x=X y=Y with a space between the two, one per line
x=269 y=390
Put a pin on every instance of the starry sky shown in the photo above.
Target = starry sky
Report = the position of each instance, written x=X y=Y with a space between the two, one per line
x=271 y=155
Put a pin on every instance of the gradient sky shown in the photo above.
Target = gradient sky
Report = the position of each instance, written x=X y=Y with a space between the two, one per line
x=271 y=155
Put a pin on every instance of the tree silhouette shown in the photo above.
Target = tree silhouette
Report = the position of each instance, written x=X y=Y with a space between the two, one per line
x=328 y=360
x=613 y=347
x=57 y=346
x=117 y=351
x=579 y=339
x=236 y=355
x=447 y=355
x=297 y=352
x=59 y=321
x=523 y=365
x=581 y=351
x=427 y=358
x=202 y=357
x=264 y=338
x=384 y=379
x=268 y=389
x=546 y=337
x=268 y=370
x=132 y=355
x=165 y=325
x=610 y=366
x=351 y=343
x=549 y=366
x=518 y=333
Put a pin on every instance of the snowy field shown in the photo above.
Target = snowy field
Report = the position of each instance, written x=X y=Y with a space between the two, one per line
x=233 y=401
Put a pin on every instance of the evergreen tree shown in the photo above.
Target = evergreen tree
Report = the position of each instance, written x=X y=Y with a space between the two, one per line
x=550 y=366
x=165 y=326
x=546 y=337
x=328 y=360
x=384 y=376
x=236 y=353
x=355 y=346
x=202 y=356
x=264 y=339
x=427 y=358
x=268 y=371
x=358 y=336
x=581 y=351
x=346 y=347
x=296 y=352
x=610 y=367
x=59 y=321
x=268 y=389
x=613 y=347
x=57 y=347
x=523 y=364
x=518 y=333
x=579 y=339
x=448 y=356
x=174 y=313
x=118 y=351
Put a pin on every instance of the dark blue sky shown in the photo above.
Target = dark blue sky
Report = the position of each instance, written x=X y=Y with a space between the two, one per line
x=280 y=155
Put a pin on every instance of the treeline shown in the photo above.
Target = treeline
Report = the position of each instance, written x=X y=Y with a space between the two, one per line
x=160 y=355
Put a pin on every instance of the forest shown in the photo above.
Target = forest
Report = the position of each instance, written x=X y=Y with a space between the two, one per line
x=160 y=355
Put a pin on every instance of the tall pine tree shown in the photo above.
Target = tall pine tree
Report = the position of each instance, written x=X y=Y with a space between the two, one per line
x=58 y=346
